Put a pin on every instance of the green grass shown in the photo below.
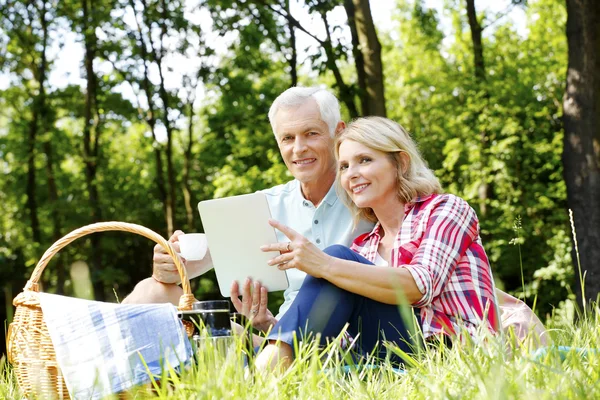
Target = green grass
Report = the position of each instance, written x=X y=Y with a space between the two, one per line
x=467 y=371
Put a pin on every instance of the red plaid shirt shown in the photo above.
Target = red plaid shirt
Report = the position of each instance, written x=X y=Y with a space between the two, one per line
x=439 y=245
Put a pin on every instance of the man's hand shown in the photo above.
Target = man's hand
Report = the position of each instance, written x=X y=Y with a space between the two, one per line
x=164 y=269
x=163 y=266
x=253 y=304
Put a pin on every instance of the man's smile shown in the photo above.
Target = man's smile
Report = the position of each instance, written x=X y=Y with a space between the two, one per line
x=304 y=161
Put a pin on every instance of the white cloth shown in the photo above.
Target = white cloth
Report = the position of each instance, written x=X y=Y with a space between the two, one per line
x=520 y=323
x=327 y=224
x=101 y=348
x=380 y=261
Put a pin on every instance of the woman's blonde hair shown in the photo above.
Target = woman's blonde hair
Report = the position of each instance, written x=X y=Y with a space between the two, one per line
x=388 y=137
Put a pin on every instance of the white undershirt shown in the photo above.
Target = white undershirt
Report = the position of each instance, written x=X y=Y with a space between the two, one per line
x=380 y=261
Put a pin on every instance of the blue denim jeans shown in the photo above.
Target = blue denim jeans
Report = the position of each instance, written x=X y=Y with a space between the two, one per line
x=321 y=307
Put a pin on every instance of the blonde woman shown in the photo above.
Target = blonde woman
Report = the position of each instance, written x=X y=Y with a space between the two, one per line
x=425 y=244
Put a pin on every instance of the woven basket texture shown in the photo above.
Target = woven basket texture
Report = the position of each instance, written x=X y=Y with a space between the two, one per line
x=29 y=347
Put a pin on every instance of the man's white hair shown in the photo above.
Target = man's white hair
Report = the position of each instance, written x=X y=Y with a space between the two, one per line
x=329 y=108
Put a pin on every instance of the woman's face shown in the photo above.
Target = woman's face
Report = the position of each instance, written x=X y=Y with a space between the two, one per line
x=368 y=176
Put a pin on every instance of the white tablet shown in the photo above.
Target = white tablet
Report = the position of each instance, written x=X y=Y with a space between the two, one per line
x=235 y=228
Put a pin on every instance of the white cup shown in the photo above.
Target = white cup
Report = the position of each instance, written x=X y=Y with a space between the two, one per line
x=193 y=246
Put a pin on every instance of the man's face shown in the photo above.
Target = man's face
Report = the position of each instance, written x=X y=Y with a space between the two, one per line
x=305 y=143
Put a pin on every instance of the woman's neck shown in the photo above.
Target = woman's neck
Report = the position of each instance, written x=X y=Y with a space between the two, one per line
x=390 y=217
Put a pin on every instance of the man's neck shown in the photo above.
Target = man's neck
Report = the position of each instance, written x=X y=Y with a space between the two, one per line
x=315 y=192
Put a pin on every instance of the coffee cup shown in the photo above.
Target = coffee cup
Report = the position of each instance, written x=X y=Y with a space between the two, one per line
x=193 y=246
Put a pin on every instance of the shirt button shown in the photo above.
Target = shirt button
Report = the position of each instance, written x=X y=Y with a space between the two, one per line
x=305 y=204
x=316 y=221
x=318 y=241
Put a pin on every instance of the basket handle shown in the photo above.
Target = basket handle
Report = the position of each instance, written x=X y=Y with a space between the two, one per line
x=186 y=300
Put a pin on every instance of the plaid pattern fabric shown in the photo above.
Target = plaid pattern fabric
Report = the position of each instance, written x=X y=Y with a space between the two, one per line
x=101 y=348
x=439 y=245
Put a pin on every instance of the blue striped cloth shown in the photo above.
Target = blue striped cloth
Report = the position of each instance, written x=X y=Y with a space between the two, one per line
x=563 y=352
x=101 y=348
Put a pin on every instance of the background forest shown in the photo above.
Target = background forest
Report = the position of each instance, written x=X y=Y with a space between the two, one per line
x=171 y=108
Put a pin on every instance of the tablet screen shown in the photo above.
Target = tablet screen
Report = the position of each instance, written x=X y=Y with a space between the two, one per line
x=235 y=228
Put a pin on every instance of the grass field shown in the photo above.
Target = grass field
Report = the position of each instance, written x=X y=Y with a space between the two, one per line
x=466 y=371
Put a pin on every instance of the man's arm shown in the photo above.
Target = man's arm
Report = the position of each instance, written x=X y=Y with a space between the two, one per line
x=163 y=286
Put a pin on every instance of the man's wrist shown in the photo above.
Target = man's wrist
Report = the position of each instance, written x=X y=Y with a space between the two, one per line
x=268 y=325
x=196 y=268
x=273 y=322
x=155 y=277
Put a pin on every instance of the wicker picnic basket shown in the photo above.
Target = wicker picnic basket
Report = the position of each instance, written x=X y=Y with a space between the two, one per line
x=29 y=348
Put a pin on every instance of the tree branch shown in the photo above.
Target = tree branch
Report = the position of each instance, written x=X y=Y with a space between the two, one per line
x=292 y=21
x=503 y=14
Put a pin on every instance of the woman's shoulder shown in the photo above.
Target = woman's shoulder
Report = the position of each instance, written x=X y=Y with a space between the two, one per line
x=446 y=205
x=449 y=200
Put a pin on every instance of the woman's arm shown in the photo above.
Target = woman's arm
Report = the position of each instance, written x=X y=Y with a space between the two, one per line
x=382 y=284
x=451 y=228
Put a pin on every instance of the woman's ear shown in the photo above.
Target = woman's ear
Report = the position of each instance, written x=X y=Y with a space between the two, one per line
x=404 y=162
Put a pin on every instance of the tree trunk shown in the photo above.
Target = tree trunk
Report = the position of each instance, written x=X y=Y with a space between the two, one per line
x=39 y=116
x=346 y=95
x=479 y=67
x=171 y=182
x=31 y=150
x=151 y=115
x=293 y=61
x=45 y=128
x=371 y=52
x=58 y=260
x=6 y=312
x=91 y=133
x=581 y=152
x=187 y=161
x=359 y=62
x=31 y=176
x=476 y=30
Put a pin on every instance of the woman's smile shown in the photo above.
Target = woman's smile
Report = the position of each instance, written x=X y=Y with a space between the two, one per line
x=359 y=188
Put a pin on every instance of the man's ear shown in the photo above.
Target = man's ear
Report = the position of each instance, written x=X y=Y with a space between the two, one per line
x=340 y=127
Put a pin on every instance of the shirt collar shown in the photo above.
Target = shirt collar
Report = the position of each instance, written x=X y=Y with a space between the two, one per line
x=374 y=232
x=330 y=198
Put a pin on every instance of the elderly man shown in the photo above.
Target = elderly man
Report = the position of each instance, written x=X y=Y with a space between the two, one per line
x=305 y=122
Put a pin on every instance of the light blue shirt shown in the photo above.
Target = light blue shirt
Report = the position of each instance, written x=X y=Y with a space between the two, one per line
x=327 y=224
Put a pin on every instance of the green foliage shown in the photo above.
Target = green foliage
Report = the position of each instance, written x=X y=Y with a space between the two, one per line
x=432 y=91
x=239 y=145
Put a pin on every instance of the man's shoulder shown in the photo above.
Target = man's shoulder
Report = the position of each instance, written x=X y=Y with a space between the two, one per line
x=281 y=190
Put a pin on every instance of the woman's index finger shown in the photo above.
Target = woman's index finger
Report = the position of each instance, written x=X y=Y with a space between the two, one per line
x=286 y=230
